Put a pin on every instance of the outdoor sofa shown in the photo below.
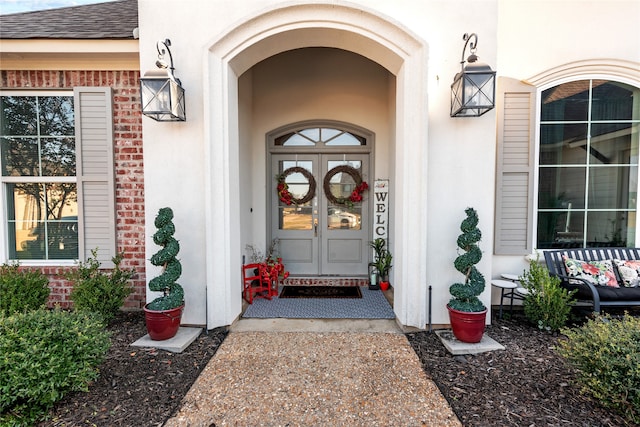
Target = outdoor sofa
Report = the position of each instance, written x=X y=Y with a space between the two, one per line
x=605 y=277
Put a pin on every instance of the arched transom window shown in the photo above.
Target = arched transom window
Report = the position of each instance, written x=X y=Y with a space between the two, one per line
x=320 y=136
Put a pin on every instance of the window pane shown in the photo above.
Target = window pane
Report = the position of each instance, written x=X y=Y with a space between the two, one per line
x=20 y=157
x=560 y=229
x=613 y=187
x=295 y=217
x=19 y=115
x=312 y=133
x=342 y=184
x=563 y=144
x=58 y=156
x=612 y=101
x=63 y=238
x=344 y=218
x=614 y=143
x=567 y=102
x=610 y=229
x=56 y=115
x=295 y=139
x=42 y=221
x=346 y=139
x=328 y=133
x=561 y=188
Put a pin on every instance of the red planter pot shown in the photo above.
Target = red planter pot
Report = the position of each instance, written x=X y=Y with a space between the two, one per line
x=163 y=324
x=467 y=327
x=384 y=285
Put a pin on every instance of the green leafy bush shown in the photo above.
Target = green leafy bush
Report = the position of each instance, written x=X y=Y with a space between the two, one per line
x=44 y=355
x=606 y=355
x=547 y=304
x=100 y=291
x=22 y=289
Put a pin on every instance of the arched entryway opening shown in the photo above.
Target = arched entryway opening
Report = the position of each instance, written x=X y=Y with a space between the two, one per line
x=229 y=108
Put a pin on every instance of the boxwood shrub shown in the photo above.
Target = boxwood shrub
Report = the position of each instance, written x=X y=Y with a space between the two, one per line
x=606 y=355
x=22 y=289
x=44 y=355
x=547 y=305
x=97 y=290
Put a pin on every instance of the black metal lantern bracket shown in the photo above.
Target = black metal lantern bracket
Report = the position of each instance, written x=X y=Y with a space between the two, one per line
x=161 y=93
x=473 y=89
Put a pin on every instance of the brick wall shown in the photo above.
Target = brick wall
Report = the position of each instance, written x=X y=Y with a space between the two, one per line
x=129 y=166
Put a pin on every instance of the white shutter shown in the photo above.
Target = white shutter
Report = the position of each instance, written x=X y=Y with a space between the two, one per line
x=515 y=167
x=95 y=173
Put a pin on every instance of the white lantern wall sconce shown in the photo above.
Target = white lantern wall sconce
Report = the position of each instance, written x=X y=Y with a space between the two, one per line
x=161 y=93
x=473 y=90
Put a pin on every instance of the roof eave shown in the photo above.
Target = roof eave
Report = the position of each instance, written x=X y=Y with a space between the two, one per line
x=69 y=54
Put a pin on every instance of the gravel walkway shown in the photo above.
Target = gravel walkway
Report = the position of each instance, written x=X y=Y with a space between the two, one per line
x=314 y=379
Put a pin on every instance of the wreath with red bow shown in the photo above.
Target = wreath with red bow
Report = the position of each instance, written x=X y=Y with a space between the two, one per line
x=356 y=195
x=282 y=188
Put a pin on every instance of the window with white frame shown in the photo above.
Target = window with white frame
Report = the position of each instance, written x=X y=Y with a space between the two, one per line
x=58 y=176
x=38 y=158
x=588 y=164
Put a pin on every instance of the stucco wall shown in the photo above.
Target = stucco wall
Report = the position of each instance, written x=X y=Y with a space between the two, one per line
x=441 y=165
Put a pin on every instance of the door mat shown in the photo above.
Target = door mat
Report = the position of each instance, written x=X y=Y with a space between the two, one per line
x=321 y=292
x=372 y=305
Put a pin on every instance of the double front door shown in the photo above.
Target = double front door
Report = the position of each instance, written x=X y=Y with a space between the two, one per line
x=320 y=212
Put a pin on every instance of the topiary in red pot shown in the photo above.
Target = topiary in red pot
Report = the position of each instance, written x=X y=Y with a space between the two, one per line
x=164 y=313
x=466 y=312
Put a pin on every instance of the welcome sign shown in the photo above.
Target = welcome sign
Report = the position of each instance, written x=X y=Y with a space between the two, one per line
x=381 y=209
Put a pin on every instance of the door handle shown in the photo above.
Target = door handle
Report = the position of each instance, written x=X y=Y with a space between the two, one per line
x=315 y=227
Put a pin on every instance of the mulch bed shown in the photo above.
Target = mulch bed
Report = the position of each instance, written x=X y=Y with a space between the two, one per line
x=527 y=384
x=137 y=386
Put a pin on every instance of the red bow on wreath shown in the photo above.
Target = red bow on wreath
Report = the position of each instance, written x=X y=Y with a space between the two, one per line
x=283 y=193
x=356 y=194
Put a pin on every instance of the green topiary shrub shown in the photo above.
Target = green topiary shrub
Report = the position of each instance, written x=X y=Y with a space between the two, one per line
x=173 y=294
x=606 y=355
x=44 y=355
x=548 y=304
x=22 y=289
x=465 y=295
x=100 y=291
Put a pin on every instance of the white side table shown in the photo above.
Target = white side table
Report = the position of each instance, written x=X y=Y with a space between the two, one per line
x=505 y=285
x=510 y=276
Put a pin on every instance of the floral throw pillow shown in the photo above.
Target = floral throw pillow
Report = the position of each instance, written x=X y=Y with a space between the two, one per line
x=599 y=273
x=629 y=272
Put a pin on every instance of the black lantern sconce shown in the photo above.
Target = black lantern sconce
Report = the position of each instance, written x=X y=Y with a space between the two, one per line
x=161 y=93
x=473 y=91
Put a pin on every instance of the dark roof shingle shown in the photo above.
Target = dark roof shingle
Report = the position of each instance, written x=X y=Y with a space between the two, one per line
x=109 y=20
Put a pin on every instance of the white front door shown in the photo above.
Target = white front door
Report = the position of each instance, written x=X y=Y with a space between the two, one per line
x=324 y=230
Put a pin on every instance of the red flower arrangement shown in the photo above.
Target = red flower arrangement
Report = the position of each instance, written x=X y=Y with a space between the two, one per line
x=356 y=194
x=283 y=193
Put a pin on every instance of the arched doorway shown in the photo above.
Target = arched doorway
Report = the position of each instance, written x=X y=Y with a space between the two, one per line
x=336 y=26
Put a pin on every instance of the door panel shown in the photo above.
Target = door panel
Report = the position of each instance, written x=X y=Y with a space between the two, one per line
x=294 y=224
x=322 y=236
x=344 y=225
